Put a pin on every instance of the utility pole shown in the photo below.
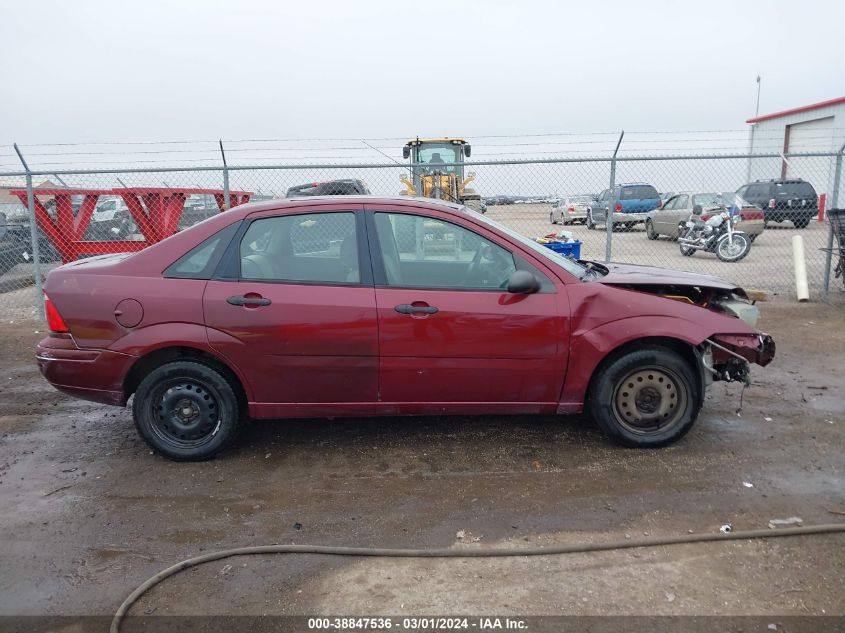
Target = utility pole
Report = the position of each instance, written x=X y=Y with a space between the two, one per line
x=757 y=109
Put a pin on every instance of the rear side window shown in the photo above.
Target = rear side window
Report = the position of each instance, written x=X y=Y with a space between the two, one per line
x=308 y=248
x=758 y=191
x=639 y=192
x=201 y=261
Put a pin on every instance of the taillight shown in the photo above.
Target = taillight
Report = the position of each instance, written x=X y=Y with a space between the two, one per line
x=54 y=320
x=572 y=209
x=772 y=203
x=618 y=207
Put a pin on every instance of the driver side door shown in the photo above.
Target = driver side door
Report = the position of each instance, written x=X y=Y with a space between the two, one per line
x=451 y=338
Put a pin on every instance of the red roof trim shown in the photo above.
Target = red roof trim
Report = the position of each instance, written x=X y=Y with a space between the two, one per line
x=806 y=108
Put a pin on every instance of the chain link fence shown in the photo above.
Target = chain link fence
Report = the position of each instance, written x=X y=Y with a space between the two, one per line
x=85 y=213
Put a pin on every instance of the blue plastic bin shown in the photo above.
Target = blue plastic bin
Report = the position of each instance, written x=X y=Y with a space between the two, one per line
x=567 y=249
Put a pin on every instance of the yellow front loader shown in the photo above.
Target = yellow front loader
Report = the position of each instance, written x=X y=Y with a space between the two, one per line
x=437 y=171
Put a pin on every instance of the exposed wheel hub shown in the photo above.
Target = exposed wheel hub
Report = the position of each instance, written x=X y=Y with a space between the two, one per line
x=649 y=400
x=187 y=413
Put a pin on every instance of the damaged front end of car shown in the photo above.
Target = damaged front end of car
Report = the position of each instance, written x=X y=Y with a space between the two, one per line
x=727 y=353
x=728 y=357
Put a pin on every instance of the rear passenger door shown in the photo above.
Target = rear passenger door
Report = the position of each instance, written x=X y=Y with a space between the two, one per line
x=296 y=313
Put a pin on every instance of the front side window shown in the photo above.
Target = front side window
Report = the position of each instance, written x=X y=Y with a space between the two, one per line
x=419 y=251
x=308 y=248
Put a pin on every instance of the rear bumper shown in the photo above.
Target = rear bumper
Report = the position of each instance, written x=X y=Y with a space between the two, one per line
x=623 y=216
x=789 y=213
x=95 y=375
x=620 y=217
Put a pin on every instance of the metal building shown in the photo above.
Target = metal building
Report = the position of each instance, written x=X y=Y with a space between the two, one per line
x=818 y=127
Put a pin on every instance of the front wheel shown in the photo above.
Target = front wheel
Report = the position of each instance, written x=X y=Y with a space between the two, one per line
x=645 y=398
x=734 y=250
x=591 y=225
x=186 y=411
x=552 y=217
x=650 y=233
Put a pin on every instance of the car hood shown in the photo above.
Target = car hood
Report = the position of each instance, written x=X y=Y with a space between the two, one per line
x=634 y=274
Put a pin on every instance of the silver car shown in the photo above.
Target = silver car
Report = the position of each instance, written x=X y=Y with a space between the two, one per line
x=678 y=208
x=570 y=210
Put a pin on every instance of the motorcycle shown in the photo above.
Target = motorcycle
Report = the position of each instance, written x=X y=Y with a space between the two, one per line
x=716 y=235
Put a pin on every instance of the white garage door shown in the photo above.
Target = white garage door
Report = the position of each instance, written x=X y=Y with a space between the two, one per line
x=810 y=136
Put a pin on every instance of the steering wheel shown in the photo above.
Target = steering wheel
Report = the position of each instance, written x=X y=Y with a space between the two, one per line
x=478 y=272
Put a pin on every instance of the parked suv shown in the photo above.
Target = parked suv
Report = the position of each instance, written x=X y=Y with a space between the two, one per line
x=631 y=203
x=793 y=199
x=344 y=187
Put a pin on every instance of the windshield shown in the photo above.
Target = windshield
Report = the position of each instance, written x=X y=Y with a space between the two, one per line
x=581 y=199
x=436 y=154
x=569 y=265
x=718 y=199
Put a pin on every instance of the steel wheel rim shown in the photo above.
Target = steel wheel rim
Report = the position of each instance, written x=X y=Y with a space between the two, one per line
x=733 y=250
x=650 y=400
x=185 y=413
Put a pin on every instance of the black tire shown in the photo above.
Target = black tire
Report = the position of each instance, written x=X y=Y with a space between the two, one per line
x=650 y=233
x=801 y=223
x=211 y=419
x=645 y=398
x=741 y=247
x=591 y=225
x=686 y=251
x=552 y=217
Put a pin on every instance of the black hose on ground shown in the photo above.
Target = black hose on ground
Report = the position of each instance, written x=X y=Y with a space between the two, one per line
x=481 y=552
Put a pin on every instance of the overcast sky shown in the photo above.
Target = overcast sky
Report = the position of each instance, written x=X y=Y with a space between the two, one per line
x=88 y=70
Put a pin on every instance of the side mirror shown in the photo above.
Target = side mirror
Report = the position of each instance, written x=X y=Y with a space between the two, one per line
x=522 y=282
x=467 y=150
x=406 y=152
x=697 y=210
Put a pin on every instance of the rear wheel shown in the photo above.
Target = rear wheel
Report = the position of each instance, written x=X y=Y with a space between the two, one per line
x=186 y=411
x=734 y=250
x=650 y=233
x=801 y=223
x=645 y=398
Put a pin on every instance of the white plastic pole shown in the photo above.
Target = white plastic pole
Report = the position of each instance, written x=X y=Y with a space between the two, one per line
x=800 y=262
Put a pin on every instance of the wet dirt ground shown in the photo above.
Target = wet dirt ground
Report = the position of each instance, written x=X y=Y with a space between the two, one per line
x=87 y=512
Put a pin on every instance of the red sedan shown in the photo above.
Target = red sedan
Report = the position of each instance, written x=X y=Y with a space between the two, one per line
x=359 y=306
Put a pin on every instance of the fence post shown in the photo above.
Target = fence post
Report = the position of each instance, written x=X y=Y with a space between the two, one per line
x=33 y=235
x=608 y=219
x=226 y=200
x=833 y=204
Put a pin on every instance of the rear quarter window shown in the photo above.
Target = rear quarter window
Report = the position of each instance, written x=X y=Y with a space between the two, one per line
x=201 y=261
x=804 y=189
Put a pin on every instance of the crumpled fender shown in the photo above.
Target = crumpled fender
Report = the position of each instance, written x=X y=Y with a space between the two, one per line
x=589 y=347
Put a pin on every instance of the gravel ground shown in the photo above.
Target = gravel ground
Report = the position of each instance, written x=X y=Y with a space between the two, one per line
x=87 y=512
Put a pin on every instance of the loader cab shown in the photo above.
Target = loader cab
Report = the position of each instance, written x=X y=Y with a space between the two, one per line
x=445 y=156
